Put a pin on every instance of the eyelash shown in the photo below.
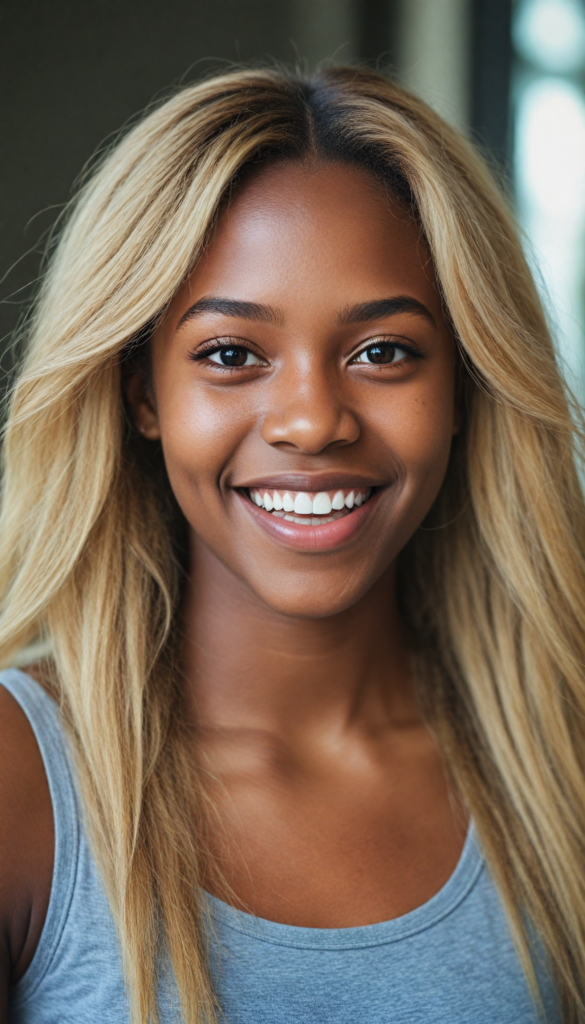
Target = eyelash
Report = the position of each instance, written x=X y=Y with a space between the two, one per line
x=211 y=348
x=410 y=350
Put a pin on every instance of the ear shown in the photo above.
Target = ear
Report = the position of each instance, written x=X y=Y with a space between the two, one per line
x=142 y=404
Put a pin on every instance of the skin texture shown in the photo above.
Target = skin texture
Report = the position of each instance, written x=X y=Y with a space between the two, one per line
x=329 y=802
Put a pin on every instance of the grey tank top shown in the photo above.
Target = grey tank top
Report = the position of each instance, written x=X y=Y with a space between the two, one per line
x=450 y=961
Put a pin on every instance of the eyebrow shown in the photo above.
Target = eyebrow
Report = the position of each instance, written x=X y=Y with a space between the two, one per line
x=232 y=307
x=379 y=308
x=361 y=313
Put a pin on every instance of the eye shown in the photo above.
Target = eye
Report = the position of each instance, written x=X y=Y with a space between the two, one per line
x=233 y=355
x=381 y=353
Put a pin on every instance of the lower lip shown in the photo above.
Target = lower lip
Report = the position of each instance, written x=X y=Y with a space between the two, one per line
x=313 y=538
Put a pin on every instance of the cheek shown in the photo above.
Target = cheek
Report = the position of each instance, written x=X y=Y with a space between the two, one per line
x=200 y=431
x=425 y=436
x=417 y=424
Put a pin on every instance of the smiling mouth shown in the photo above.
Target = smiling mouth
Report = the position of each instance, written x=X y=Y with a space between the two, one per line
x=309 y=508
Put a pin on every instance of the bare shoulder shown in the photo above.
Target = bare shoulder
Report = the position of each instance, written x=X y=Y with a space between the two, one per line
x=26 y=844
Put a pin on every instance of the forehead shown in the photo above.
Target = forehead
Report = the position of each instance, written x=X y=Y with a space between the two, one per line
x=295 y=227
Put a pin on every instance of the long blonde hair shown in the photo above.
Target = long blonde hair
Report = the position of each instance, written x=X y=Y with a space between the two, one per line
x=493 y=585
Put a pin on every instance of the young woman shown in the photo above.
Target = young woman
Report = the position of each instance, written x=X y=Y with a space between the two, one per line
x=290 y=497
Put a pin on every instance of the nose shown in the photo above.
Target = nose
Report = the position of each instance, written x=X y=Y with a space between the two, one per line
x=308 y=412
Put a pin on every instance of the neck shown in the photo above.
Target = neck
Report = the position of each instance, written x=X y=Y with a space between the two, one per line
x=250 y=668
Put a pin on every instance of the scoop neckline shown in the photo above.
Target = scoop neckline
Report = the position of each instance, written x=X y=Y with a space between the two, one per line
x=444 y=902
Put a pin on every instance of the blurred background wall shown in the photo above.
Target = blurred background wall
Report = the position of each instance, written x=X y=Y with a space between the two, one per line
x=511 y=73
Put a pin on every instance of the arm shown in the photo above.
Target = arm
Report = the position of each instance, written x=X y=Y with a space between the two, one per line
x=26 y=845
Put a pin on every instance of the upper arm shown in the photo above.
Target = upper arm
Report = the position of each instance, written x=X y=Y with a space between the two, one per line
x=26 y=845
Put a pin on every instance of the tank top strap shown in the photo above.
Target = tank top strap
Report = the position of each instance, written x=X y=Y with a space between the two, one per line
x=43 y=715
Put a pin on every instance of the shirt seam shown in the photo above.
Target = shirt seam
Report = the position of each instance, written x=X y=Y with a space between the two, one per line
x=408 y=932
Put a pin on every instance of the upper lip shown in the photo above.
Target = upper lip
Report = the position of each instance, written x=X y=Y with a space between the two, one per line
x=310 y=482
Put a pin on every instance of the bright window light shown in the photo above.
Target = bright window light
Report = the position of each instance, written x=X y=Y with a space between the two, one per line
x=550 y=149
x=549 y=164
x=551 y=33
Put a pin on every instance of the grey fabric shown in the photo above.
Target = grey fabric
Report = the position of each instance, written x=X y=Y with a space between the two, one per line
x=451 y=961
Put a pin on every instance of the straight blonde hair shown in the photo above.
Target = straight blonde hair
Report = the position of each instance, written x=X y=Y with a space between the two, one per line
x=493 y=585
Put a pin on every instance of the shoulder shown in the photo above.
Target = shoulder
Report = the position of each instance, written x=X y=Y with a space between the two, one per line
x=26 y=842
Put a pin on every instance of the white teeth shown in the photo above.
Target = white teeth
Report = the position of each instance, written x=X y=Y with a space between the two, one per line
x=321 y=504
x=303 y=504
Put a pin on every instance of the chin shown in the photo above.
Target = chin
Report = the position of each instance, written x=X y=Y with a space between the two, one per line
x=306 y=600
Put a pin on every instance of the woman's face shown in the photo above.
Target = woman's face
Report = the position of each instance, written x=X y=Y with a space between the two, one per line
x=304 y=387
